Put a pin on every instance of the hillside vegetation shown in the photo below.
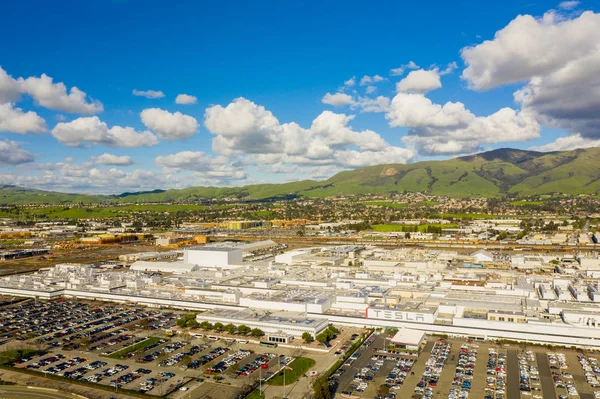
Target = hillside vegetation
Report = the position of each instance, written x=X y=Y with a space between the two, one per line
x=489 y=174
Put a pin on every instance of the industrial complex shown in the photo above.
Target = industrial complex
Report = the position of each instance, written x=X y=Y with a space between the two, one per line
x=545 y=299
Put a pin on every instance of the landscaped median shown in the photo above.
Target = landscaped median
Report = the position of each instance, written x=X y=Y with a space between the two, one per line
x=293 y=371
x=14 y=355
x=256 y=394
x=132 y=348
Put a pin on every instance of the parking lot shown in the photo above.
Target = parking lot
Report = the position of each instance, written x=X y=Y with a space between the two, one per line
x=130 y=348
x=453 y=368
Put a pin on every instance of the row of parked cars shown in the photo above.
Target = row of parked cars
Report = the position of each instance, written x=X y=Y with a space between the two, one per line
x=41 y=318
x=61 y=367
x=433 y=368
x=561 y=377
x=112 y=371
x=398 y=374
x=255 y=364
x=71 y=336
x=352 y=359
x=496 y=375
x=366 y=374
x=228 y=361
x=369 y=341
x=44 y=361
x=169 y=348
x=590 y=369
x=213 y=354
x=463 y=374
x=529 y=377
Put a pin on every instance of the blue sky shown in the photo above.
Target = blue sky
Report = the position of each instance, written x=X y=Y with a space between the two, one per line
x=251 y=62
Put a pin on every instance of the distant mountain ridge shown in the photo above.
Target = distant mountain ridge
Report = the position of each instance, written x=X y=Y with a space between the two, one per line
x=488 y=174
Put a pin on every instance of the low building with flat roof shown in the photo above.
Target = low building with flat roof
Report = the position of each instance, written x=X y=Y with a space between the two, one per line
x=286 y=323
x=407 y=338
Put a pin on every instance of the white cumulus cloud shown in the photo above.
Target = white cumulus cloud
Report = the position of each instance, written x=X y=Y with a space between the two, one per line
x=571 y=142
x=186 y=99
x=557 y=57
x=93 y=130
x=451 y=129
x=111 y=159
x=420 y=81
x=169 y=126
x=10 y=91
x=337 y=99
x=244 y=128
x=16 y=121
x=54 y=96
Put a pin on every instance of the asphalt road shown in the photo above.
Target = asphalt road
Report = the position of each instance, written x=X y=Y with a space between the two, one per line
x=512 y=375
x=545 y=376
x=365 y=357
x=17 y=392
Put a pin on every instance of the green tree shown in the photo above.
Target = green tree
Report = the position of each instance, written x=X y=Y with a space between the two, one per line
x=257 y=333
x=322 y=337
x=322 y=390
x=307 y=337
x=205 y=325
x=230 y=328
x=192 y=323
x=243 y=329
x=218 y=327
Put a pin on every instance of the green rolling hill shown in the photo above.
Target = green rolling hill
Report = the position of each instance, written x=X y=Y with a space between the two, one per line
x=488 y=174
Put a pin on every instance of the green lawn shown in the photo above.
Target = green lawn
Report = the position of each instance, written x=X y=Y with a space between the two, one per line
x=299 y=366
x=120 y=353
x=13 y=355
x=387 y=227
x=97 y=212
x=256 y=394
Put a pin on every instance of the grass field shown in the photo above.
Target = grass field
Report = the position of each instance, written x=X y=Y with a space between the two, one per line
x=99 y=212
x=256 y=394
x=13 y=355
x=387 y=227
x=525 y=203
x=386 y=204
x=299 y=366
x=148 y=341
